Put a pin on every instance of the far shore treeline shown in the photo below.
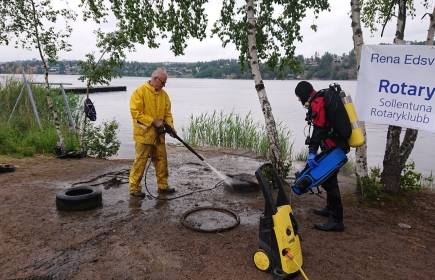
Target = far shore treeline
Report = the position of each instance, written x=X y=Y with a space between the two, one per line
x=326 y=67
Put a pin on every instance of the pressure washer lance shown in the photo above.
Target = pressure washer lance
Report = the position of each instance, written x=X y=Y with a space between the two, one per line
x=169 y=130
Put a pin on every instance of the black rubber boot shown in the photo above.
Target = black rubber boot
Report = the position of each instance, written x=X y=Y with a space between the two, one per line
x=332 y=224
x=334 y=209
x=324 y=211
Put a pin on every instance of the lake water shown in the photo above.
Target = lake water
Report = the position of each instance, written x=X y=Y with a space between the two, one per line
x=197 y=96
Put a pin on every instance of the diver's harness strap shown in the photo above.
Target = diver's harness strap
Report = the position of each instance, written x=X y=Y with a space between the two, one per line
x=311 y=115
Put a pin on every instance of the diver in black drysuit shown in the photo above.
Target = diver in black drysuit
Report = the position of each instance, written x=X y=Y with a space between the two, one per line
x=323 y=138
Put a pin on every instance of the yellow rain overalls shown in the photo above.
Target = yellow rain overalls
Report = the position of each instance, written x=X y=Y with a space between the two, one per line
x=146 y=105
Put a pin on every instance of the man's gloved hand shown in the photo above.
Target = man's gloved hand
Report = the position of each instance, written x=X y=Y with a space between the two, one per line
x=311 y=162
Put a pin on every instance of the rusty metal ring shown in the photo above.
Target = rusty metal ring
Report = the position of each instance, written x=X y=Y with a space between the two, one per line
x=189 y=226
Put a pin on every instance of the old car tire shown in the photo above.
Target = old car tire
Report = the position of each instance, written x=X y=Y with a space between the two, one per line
x=78 y=198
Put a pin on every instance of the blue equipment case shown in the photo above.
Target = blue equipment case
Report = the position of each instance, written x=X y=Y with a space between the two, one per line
x=329 y=162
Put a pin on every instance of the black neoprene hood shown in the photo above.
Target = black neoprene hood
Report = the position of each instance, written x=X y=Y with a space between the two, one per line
x=303 y=90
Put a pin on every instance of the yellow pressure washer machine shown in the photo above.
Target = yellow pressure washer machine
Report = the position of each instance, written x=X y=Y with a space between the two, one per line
x=279 y=243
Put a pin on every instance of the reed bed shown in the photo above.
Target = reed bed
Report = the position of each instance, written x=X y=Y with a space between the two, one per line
x=230 y=130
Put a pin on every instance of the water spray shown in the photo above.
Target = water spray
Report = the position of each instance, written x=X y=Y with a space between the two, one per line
x=169 y=130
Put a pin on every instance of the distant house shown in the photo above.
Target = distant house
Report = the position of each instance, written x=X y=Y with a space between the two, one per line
x=338 y=59
x=53 y=70
x=231 y=76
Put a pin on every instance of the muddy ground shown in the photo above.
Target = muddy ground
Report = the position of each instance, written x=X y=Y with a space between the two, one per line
x=133 y=238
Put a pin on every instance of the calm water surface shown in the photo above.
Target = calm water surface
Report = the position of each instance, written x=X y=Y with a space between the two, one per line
x=197 y=96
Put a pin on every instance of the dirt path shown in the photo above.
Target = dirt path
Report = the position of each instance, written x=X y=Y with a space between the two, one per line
x=131 y=238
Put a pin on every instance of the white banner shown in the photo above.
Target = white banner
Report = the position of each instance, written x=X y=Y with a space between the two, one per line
x=396 y=86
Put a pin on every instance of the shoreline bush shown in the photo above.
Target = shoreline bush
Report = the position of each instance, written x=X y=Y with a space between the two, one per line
x=21 y=135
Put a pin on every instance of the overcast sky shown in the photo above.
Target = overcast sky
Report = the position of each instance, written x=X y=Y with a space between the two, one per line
x=334 y=35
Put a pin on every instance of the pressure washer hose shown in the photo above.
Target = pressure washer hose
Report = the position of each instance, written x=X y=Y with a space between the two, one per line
x=168 y=129
x=305 y=127
x=290 y=256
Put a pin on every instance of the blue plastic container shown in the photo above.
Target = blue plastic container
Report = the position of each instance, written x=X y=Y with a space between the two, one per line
x=329 y=162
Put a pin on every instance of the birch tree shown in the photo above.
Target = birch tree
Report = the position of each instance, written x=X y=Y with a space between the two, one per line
x=102 y=71
x=431 y=29
x=34 y=24
x=264 y=32
x=137 y=22
x=396 y=152
x=145 y=22
x=361 y=169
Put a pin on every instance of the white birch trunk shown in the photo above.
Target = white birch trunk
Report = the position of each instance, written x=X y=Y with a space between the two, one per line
x=275 y=152
x=47 y=87
x=53 y=110
x=396 y=153
x=431 y=30
x=361 y=169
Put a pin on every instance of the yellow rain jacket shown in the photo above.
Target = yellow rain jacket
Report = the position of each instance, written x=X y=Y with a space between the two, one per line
x=146 y=104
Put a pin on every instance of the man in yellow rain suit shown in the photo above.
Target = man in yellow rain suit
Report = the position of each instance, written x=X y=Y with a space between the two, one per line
x=150 y=108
